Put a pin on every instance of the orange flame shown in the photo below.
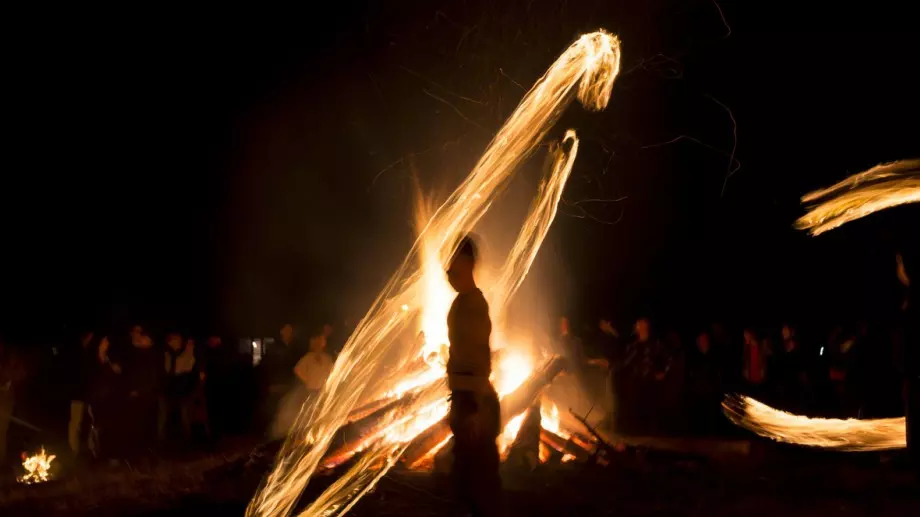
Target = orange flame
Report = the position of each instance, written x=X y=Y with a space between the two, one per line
x=37 y=467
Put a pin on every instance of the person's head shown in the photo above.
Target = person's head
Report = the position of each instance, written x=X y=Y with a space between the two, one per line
x=318 y=343
x=643 y=329
x=788 y=332
x=103 y=350
x=327 y=330
x=462 y=264
x=287 y=333
x=703 y=343
x=174 y=341
x=87 y=338
x=565 y=327
x=139 y=339
x=606 y=326
x=750 y=339
x=214 y=342
x=190 y=343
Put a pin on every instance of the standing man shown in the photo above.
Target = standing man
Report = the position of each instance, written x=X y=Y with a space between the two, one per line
x=911 y=390
x=143 y=363
x=475 y=415
x=315 y=366
x=82 y=362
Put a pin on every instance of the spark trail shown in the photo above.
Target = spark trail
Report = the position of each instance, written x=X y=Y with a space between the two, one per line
x=831 y=433
x=418 y=292
x=881 y=187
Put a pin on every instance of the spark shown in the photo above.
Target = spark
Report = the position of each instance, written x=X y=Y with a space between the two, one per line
x=830 y=433
x=881 y=187
x=722 y=16
x=455 y=108
x=586 y=70
x=733 y=165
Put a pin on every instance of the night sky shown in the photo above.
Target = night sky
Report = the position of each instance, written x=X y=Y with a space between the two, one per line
x=231 y=170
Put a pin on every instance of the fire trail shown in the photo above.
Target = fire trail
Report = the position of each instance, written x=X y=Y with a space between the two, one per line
x=883 y=186
x=418 y=294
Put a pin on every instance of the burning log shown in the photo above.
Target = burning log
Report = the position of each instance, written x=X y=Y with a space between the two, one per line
x=512 y=405
x=356 y=434
x=427 y=440
x=522 y=398
x=525 y=450
x=563 y=445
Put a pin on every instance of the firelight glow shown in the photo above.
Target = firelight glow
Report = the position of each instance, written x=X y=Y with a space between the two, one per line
x=586 y=70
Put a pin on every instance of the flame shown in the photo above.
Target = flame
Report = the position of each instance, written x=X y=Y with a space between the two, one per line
x=509 y=433
x=831 y=433
x=418 y=293
x=545 y=453
x=549 y=418
x=881 y=187
x=513 y=369
x=37 y=468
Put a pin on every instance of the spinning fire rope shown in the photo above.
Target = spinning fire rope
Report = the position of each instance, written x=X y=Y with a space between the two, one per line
x=413 y=397
x=878 y=188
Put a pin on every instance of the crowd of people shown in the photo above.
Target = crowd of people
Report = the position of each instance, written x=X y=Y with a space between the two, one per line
x=665 y=381
x=132 y=393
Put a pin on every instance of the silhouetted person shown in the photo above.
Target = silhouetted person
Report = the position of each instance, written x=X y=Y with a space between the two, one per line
x=475 y=414
x=105 y=397
x=647 y=363
x=12 y=373
x=82 y=361
x=791 y=376
x=910 y=316
x=179 y=380
x=277 y=371
x=704 y=386
x=142 y=364
x=219 y=370
x=571 y=346
x=609 y=352
x=754 y=369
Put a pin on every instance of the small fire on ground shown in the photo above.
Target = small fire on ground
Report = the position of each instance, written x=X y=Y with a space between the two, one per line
x=37 y=467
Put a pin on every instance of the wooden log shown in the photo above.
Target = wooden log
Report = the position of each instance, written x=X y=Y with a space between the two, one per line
x=564 y=445
x=525 y=450
x=512 y=405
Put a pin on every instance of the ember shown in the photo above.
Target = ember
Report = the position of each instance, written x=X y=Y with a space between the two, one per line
x=37 y=467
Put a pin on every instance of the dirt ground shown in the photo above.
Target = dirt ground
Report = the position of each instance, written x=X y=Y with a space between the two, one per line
x=772 y=480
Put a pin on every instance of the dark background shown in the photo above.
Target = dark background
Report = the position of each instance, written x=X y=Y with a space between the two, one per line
x=231 y=170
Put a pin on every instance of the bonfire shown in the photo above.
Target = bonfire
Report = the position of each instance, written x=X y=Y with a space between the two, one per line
x=37 y=467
